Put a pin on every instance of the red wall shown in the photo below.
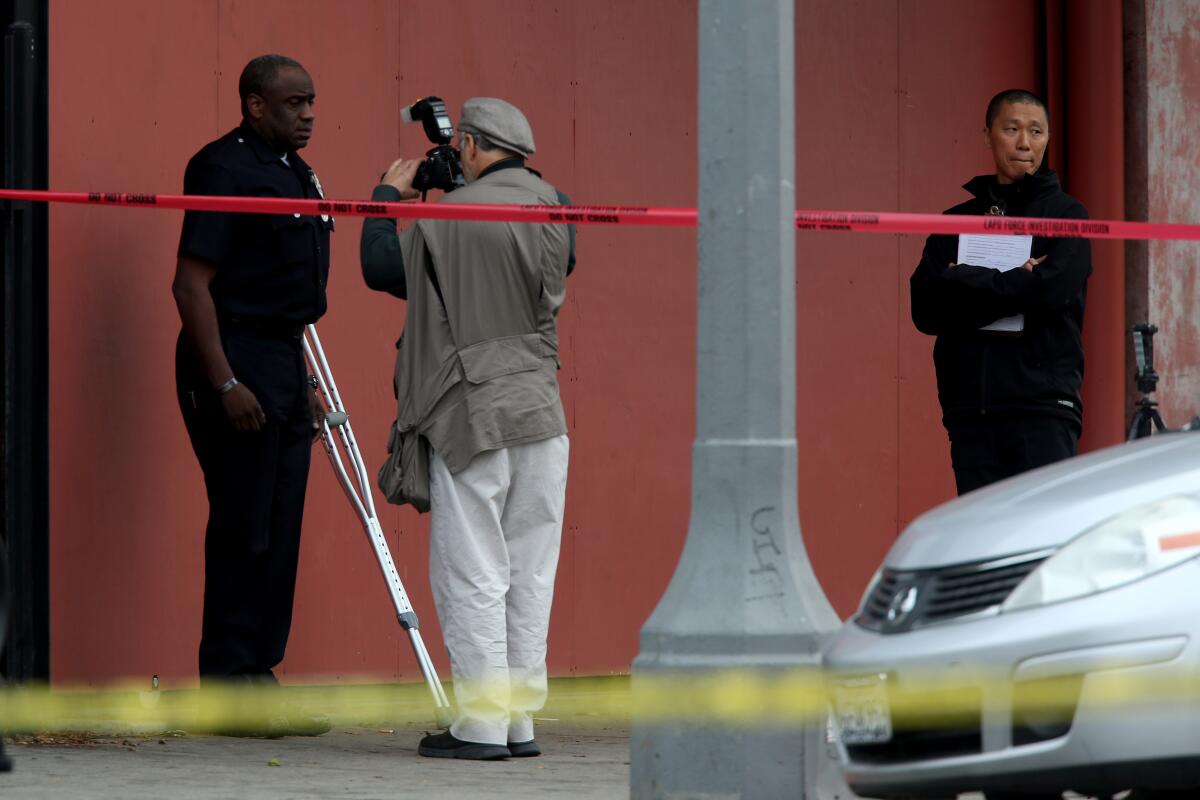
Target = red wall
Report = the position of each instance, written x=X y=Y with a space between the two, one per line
x=889 y=105
x=890 y=101
x=1096 y=174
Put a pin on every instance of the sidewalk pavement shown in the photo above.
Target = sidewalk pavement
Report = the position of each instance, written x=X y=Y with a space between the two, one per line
x=580 y=763
x=584 y=736
x=367 y=763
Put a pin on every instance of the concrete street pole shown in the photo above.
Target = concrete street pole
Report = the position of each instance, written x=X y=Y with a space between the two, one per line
x=744 y=595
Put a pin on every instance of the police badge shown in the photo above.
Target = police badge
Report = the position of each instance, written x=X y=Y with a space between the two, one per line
x=312 y=176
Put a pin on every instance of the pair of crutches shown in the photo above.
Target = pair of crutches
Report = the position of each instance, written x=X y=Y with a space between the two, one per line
x=358 y=490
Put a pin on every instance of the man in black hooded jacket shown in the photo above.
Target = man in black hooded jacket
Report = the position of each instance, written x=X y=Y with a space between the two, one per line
x=1010 y=400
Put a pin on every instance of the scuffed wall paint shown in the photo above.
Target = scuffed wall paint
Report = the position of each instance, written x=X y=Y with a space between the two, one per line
x=1172 y=102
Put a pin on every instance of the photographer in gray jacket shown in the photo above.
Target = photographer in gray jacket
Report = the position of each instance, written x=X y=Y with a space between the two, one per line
x=480 y=436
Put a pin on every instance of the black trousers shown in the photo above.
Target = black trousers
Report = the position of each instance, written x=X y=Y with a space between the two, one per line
x=995 y=447
x=255 y=484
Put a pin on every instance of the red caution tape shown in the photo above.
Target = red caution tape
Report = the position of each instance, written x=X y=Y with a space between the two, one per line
x=594 y=215
x=885 y=222
x=857 y=221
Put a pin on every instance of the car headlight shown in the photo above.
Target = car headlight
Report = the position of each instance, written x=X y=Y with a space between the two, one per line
x=1125 y=548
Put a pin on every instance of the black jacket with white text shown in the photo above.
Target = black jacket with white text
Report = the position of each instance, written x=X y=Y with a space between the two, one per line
x=1040 y=369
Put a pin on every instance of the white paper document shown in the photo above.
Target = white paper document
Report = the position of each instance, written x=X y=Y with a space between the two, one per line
x=998 y=252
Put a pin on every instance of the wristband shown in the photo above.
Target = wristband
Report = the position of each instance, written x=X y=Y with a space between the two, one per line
x=227 y=386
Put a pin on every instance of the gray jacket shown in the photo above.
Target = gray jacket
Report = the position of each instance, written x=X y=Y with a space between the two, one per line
x=477 y=362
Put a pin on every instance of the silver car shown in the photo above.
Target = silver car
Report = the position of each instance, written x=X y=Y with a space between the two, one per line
x=1033 y=637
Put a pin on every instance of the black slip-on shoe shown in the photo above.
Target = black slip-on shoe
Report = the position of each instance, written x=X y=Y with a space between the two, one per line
x=294 y=722
x=445 y=745
x=524 y=749
x=305 y=723
x=273 y=729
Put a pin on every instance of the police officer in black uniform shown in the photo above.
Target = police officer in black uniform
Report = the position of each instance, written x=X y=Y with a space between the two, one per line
x=245 y=285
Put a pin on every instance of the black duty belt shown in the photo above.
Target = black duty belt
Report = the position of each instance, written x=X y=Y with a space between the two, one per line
x=270 y=328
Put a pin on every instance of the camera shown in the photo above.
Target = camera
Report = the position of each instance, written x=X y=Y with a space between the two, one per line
x=1143 y=354
x=442 y=168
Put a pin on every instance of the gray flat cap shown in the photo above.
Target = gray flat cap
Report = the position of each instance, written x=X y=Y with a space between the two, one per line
x=500 y=121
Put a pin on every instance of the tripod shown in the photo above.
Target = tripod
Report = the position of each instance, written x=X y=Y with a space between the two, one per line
x=1146 y=419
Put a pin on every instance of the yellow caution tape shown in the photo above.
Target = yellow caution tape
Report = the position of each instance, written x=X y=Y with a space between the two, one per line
x=730 y=697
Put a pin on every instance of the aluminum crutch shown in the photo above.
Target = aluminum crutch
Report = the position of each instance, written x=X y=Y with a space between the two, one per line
x=359 y=491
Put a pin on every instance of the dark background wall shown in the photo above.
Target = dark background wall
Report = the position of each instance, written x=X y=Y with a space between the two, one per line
x=24 y=305
x=889 y=99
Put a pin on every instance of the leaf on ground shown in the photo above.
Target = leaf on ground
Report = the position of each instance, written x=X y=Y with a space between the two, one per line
x=57 y=739
x=274 y=762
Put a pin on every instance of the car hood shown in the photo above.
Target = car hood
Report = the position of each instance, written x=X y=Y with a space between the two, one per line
x=1047 y=507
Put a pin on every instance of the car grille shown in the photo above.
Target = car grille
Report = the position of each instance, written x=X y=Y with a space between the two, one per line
x=903 y=600
x=951 y=724
x=918 y=746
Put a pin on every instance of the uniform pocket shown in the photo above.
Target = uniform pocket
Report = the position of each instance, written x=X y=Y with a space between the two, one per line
x=404 y=476
x=490 y=359
x=294 y=237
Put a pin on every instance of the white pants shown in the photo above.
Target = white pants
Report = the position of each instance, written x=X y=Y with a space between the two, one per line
x=494 y=542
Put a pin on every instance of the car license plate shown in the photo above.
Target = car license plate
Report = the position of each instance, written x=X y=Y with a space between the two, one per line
x=863 y=713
